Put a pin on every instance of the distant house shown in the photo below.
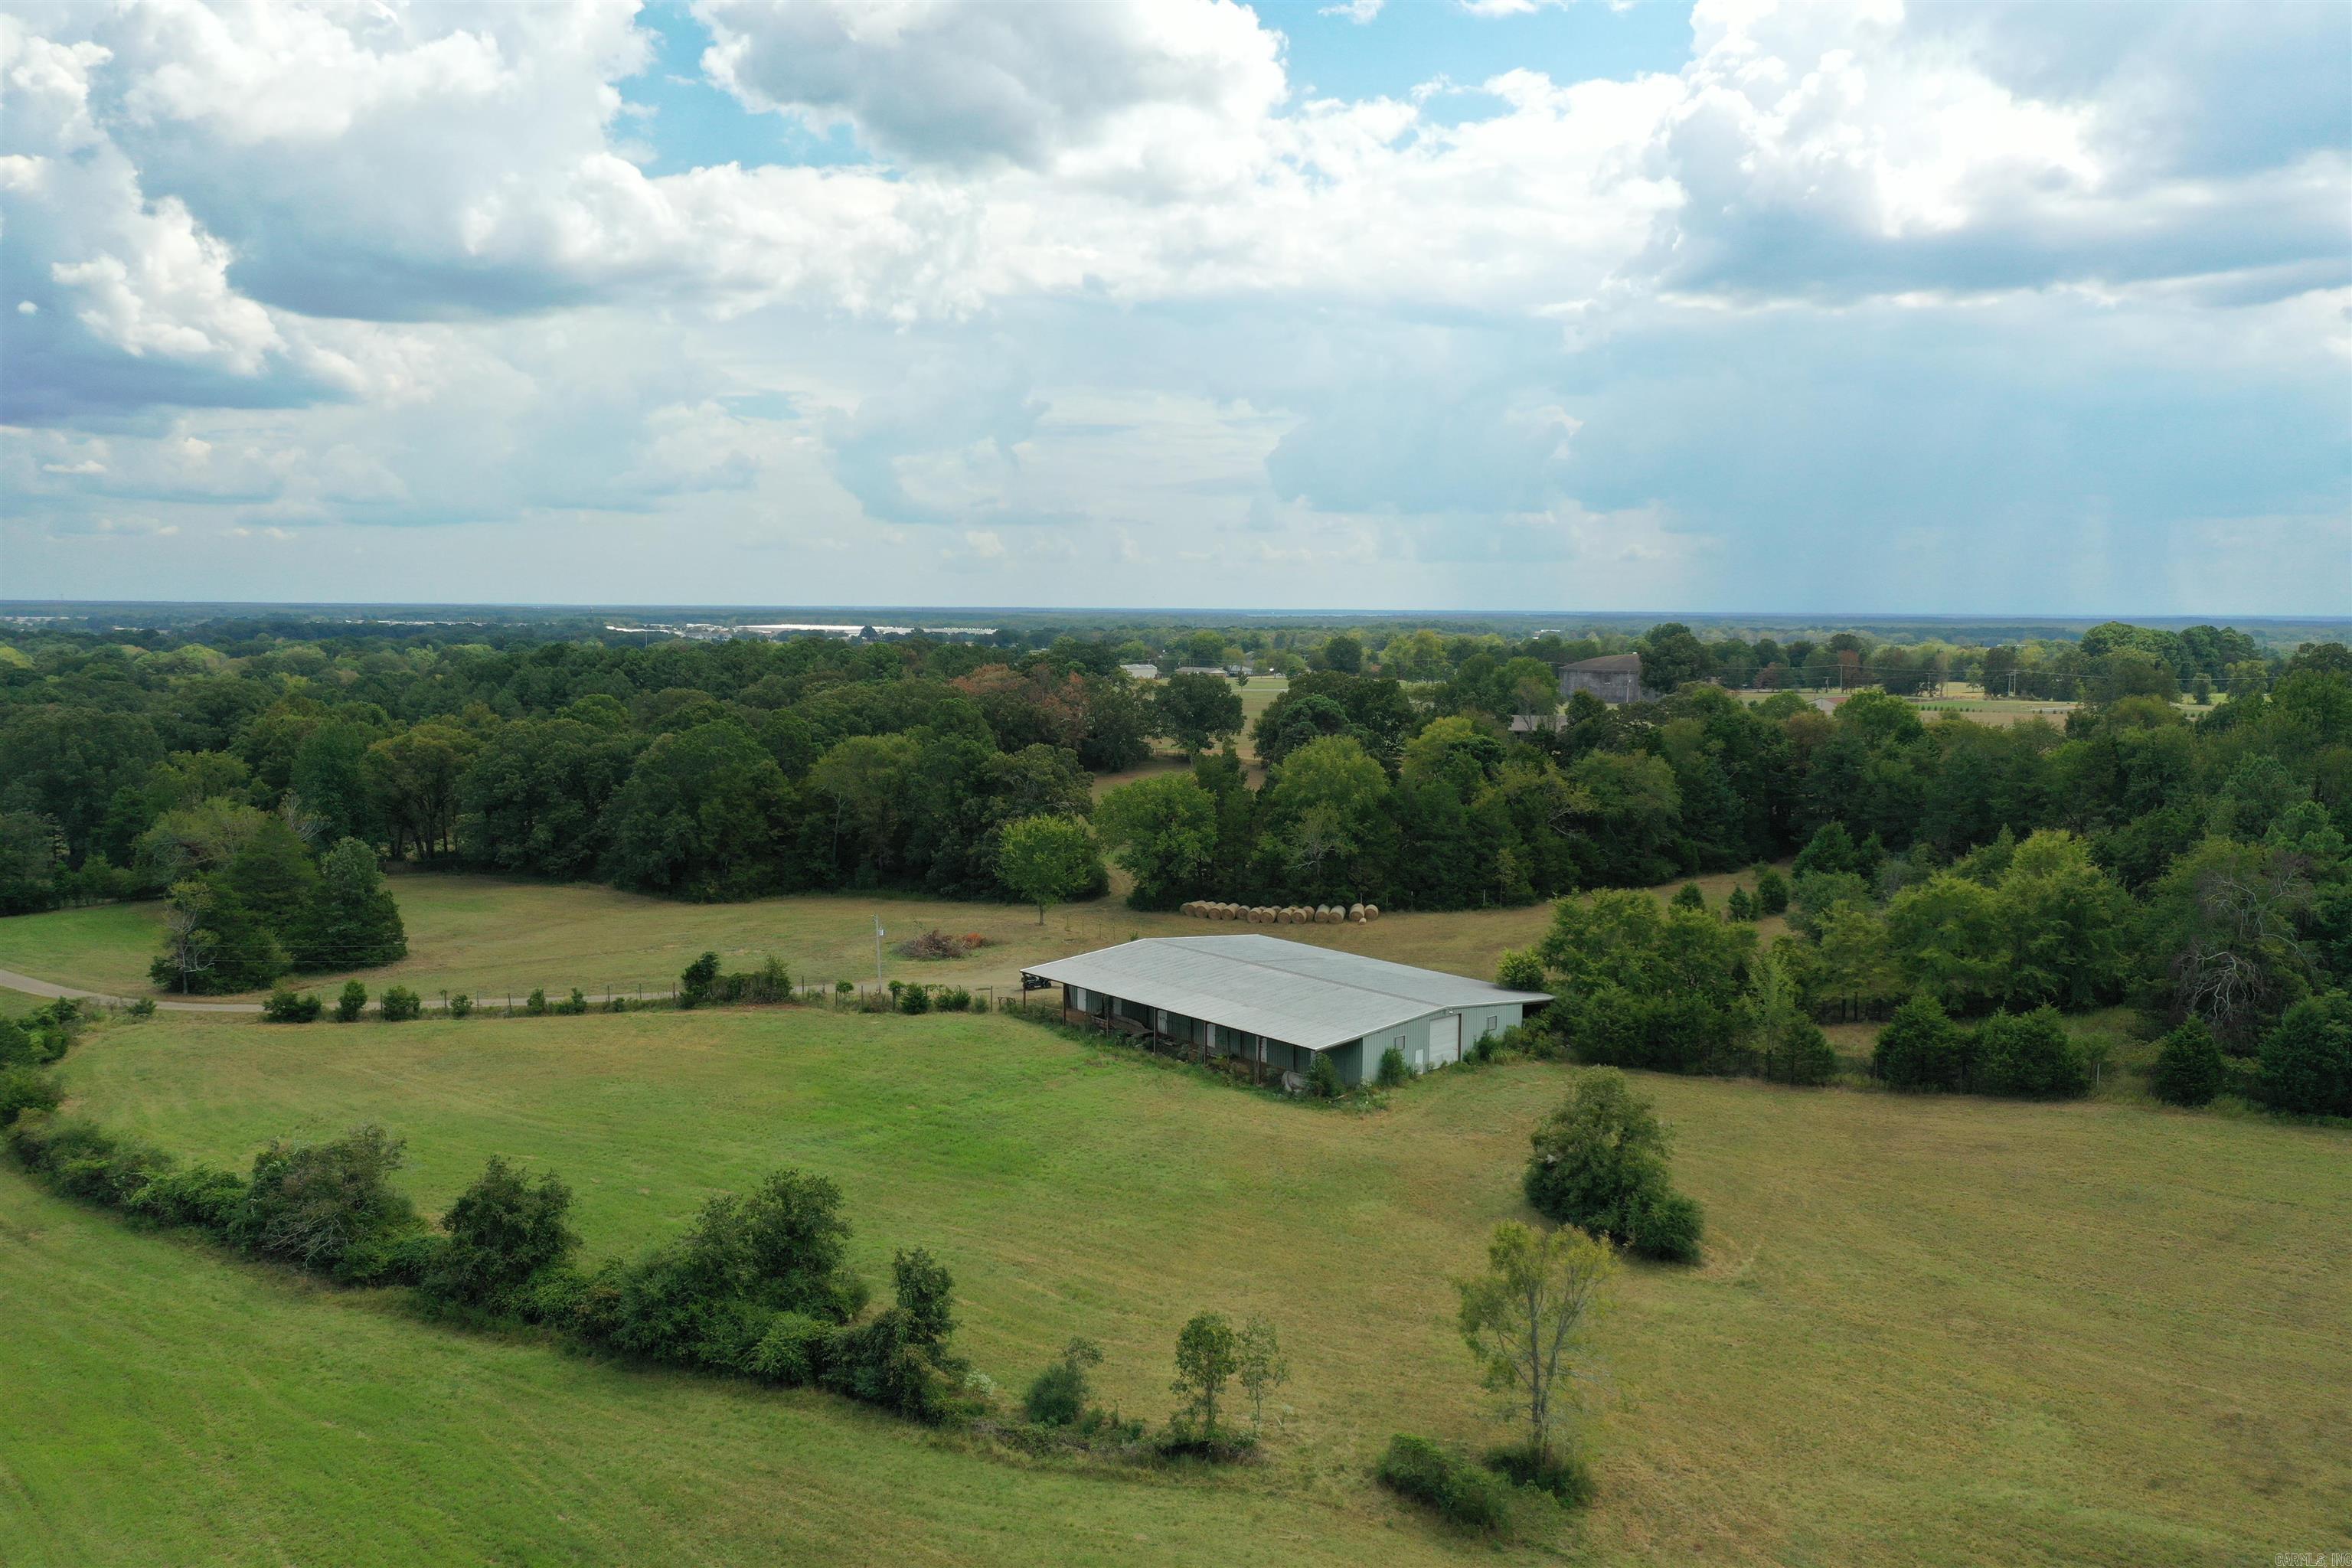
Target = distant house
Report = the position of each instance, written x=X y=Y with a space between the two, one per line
x=1141 y=672
x=1279 y=1004
x=1613 y=678
x=1219 y=671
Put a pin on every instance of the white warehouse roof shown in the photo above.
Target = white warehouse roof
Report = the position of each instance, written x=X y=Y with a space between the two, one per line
x=1291 y=991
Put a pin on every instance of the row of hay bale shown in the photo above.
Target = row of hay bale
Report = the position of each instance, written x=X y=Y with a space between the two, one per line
x=1284 y=914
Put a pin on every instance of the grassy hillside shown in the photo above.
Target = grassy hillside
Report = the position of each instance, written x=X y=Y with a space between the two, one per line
x=491 y=937
x=1943 y=1331
x=167 y=1408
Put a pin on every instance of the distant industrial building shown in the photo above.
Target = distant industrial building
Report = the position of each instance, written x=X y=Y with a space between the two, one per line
x=1613 y=677
x=1279 y=1004
x=1141 y=672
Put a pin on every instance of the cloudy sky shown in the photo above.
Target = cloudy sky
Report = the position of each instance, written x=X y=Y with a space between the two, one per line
x=1492 y=304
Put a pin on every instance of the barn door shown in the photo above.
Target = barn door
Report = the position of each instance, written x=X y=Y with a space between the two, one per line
x=1445 y=1040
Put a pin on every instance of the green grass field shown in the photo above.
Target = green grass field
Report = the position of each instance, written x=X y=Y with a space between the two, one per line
x=492 y=937
x=1926 y=1330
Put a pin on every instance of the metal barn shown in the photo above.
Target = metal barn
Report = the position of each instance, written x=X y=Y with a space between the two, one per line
x=1279 y=1005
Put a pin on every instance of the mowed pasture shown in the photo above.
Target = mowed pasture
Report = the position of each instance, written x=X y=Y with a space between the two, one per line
x=1937 y=1329
x=493 y=937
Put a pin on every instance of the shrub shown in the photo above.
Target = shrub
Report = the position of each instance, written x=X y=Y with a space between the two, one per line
x=400 y=1004
x=1564 y=1476
x=326 y=1207
x=1667 y=1226
x=1323 y=1076
x=26 y=1089
x=350 y=1003
x=1771 y=891
x=1739 y=906
x=1520 y=969
x=535 y=1004
x=1463 y=1492
x=2305 y=1064
x=285 y=1008
x=899 y=1361
x=952 y=999
x=709 y=1294
x=145 y=1007
x=1393 y=1072
x=1059 y=1395
x=1600 y=1163
x=1921 y=1048
x=2190 y=1067
x=1690 y=897
x=795 y=1351
x=20 y=1047
x=189 y=1194
x=460 y=1005
x=577 y=1003
x=504 y=1232
x=84 y=1161
x=695 y=983
x=914 y=999
x=2029 y=1054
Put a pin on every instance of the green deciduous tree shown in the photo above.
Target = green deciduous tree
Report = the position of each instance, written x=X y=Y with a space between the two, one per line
x=1528 y=1323
x=212 y=943
x=1047 y=860
x=1207 y=1356
x=1259 y=1365
x=1163 y=831
x=1600 y=1163
x=1196 y=712
x=700 y=817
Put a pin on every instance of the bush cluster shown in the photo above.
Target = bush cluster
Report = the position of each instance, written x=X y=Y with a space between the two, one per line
x=760 y=1286
x=1600 y=1163
x=2022 y=1055
x=1456 y=1488
x=286 y=1007
x=327 y=1207
x=703 y=983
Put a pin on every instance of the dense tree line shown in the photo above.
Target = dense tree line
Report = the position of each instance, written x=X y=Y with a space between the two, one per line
x=2195 y=859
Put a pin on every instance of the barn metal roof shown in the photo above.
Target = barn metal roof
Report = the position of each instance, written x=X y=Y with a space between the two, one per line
x=1291 y=991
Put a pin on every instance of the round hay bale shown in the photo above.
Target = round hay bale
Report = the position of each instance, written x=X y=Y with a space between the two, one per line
x=1322 y=914
x=1371 y=911
x=1266 y=914
x=1355 y=914
x=1190 y=907
x=1257 y=915
x=1229 y=911
x=1296 y=915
